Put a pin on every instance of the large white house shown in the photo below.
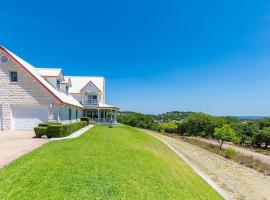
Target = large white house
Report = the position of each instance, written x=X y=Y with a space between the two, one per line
x=31 y=95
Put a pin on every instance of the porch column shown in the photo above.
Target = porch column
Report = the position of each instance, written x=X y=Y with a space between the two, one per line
x=111 y=116
x=98 y=116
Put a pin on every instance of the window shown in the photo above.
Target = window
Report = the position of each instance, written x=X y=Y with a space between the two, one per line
x=76 y=114
x=69 y=114
x=58 y=84
x=13 y=77
x=67 y=89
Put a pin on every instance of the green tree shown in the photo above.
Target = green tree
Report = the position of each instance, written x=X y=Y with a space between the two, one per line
x=200 y=124
x=225 y=133
x=262 y=137
x=169 y=127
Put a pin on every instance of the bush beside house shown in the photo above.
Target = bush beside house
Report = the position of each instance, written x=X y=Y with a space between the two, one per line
x=55 y=130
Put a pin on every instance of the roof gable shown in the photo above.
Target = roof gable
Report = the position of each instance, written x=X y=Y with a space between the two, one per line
x=79 y=82
x=90 y=87
x=60 y=96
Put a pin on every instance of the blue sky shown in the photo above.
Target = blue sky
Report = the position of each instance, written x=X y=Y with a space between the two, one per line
x=209 y=56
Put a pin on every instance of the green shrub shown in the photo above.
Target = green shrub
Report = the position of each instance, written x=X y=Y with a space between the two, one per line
x=87 y=119
x=43 y=125
x=230 y=153
x=40 y=131
x=55 y=131
x=48 y=123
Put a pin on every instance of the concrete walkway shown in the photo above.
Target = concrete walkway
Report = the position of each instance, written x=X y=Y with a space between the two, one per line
x=238 y=181
x=14 y=144
x=75 y=134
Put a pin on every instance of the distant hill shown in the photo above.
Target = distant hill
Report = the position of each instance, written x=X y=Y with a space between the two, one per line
x=251 y=117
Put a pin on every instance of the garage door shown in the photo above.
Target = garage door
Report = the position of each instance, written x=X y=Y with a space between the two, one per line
x=27 y=117
x=1 y=118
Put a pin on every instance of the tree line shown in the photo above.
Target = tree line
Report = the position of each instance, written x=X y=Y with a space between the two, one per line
x=245 y=133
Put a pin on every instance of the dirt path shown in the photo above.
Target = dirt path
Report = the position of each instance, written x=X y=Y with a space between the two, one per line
x=239 y=181
x=244 y=151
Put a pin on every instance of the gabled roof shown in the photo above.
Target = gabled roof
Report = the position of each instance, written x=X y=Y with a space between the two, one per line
x=67 y=81
x=79 y=82
x=49 y=72
x=59 y=95
x=92 y=84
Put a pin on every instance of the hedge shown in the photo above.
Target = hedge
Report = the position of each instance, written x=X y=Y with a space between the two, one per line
x=87 y=119
x=54 y=130
x=48 y=123
x=40 y=131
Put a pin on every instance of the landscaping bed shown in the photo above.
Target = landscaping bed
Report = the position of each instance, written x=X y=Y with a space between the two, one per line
x=104 y=163
x=56 y=130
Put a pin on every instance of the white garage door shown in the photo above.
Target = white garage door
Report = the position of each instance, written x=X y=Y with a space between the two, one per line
x=28 y=117
x=1 y=118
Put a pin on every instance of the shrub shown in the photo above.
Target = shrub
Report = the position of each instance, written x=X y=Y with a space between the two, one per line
x=87 y=119
x=230 y=152
x=64 y=129
x=40 y=131
x=48 y=123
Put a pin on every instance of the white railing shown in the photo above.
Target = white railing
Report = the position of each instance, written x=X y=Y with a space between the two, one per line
x=86 y=101
x=104 y=120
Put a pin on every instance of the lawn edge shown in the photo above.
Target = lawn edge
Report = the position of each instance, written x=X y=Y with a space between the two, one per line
x=206 y=178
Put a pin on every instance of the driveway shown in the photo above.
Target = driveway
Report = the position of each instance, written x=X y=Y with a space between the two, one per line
x=14 y=144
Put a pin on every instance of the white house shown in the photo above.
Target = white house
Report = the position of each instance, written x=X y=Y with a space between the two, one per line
x=31 y=95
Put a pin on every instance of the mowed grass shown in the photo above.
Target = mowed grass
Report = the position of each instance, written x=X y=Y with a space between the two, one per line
x=104 y=163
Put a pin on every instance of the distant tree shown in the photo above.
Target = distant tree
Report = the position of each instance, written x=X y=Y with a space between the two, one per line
x=225 y=133
x=200 y=124
x=169 y=127
x=138 y=120
x=262 y=137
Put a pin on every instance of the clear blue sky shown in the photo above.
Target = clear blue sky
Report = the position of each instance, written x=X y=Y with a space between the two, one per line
x=209 y=56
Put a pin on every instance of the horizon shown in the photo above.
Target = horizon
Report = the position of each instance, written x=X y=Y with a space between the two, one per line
x=209 y=57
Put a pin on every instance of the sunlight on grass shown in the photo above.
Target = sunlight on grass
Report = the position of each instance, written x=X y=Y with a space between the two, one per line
x=104 y=163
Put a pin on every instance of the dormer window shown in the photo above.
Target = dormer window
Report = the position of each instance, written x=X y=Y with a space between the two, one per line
x=58 y=84
x=67 y=89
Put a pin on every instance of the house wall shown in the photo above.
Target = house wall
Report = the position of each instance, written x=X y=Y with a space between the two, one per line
x=63 y=87
x=27 y=91
x=64 y=114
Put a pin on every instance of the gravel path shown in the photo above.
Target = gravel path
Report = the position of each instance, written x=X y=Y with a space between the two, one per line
x=259 y=156
x=239 y=181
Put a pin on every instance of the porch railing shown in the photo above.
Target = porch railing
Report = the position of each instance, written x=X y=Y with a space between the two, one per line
x=104 y=120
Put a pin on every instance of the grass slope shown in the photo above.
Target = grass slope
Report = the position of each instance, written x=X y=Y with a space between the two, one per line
x=104 y=163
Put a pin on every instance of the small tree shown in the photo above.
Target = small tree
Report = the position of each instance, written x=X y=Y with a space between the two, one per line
x=169 y=127
x=225 y=133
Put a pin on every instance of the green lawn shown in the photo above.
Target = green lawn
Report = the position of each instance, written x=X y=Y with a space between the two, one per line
x=104 y=163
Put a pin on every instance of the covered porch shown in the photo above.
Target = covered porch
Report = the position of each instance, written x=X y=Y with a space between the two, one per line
x=102 y=115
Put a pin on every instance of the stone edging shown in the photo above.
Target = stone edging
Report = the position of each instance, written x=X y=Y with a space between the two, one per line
x=195 y=169
x=75 y=134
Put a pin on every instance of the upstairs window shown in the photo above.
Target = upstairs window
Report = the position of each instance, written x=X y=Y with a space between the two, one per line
x=13 y=77
x=67 y=89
